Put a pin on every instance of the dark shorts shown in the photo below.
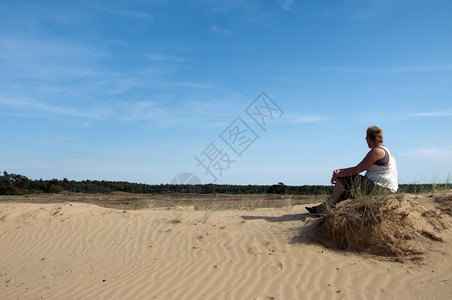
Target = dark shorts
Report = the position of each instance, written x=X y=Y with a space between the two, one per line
x=357 y=186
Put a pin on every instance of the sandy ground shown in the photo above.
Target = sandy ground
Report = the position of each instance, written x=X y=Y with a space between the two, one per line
x=83 y=251
x=130 y=201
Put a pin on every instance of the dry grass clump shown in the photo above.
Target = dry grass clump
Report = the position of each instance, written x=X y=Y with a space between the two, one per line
x=382 y=225
x=445 y=204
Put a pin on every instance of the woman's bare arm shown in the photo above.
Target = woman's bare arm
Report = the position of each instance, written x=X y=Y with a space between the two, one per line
x=371 y=157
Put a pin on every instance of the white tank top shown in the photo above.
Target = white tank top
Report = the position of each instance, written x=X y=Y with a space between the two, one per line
x=385 y=175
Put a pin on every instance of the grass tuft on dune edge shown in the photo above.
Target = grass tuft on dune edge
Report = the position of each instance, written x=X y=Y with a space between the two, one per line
x=387 y=225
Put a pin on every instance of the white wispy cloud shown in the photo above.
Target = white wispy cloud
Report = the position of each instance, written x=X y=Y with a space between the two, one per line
x=116 y=111
x=138 y=111
x=24 y=56
x=117 y=9
x=395 y=69
x=23 y=46
x=31 y=107
x=438 y=113
x=193 y=85
x=429 y=152
x=136 y=15
x=162 y=112
x=116 y=85
x=427 y=68
x=220 y=30
x=287 y=4
x=246 y=12
x=365 y=14
x=225 y=5
x=160 y=57
x=366 y=10
x=308 y=118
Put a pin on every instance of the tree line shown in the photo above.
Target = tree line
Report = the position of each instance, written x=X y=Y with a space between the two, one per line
x=16 y=184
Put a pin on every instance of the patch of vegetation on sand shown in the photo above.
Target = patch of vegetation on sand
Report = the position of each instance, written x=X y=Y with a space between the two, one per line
x=389 y=225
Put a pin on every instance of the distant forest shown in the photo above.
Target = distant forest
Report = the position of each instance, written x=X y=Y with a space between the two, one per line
x=15 y=184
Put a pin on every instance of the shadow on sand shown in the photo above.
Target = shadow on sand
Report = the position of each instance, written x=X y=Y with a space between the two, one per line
x=304 y=233
x=284 y=218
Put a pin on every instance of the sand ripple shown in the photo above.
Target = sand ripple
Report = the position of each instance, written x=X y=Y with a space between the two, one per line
x=79 y=251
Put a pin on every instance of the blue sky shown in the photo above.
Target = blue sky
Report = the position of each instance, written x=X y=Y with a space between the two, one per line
x=137 y=90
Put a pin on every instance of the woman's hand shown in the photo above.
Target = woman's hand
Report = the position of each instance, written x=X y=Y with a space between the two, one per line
x=335 y=175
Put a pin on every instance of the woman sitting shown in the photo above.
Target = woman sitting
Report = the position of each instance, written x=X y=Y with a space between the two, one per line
x=381 y=173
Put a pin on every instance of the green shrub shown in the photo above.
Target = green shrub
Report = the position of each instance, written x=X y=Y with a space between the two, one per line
x=55 y=189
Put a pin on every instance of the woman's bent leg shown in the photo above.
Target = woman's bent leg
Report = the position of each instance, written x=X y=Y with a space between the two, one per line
x=338 y=190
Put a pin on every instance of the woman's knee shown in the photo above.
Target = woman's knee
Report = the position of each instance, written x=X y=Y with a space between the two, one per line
x=339 y=185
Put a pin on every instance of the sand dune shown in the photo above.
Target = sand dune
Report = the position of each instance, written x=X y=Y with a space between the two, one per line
x=82 y=251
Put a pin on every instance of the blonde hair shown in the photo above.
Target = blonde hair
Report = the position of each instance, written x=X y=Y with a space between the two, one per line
x=375 y=134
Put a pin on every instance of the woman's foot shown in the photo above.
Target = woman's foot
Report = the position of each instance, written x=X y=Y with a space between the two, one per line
x=317 y=210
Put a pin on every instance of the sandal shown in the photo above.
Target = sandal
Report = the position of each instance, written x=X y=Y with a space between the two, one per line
x=317 y=210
